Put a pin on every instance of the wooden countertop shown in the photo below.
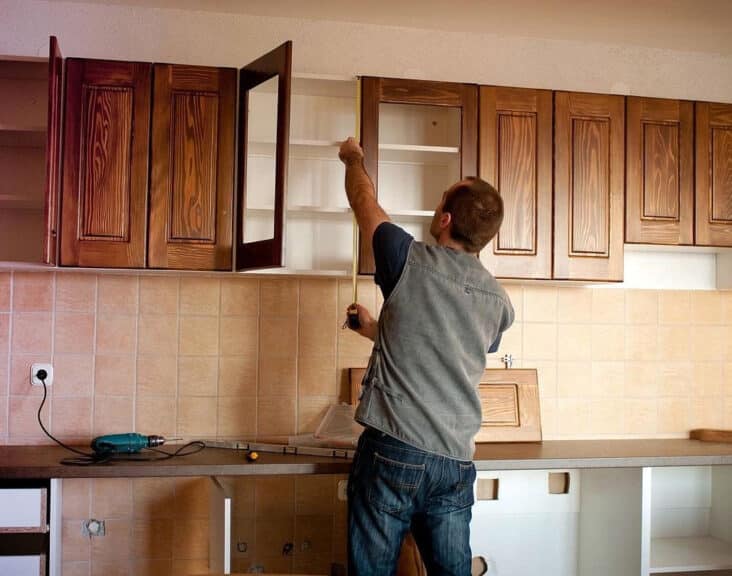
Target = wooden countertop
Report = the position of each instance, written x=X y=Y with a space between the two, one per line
x=45 y=461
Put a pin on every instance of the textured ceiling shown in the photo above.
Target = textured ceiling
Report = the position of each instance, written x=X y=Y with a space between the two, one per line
x=689 y=25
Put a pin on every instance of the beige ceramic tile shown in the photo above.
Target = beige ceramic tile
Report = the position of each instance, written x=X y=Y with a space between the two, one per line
x=546 y=377
x=117 y=294
x=727 y=386
x=31 y=333
x=278 y=297
x=706 y=307
x=271 y=535
x=116 y=334
x=311 y=410
x=76 y=569
x=74 y=333
x=549 y=418
x=114 y=375
x=197 y=375
x=673 y=415
x=641 y=342
x=237 y=417
x=277 y=377
x=159 y=295
x=200 y=296
x=274 y=497
x=4 y=334
x=76 y=501
x=199 y=336
x=112 y=498
x=190 y=566
x=351 y=345
x=574 y=305
x=240 y=335
x=317 y=335
x=726 y=296
x=192 y=497
x=573 y=416
x=153 y=538
x=608 y=342
x=574 y=379
x=674 y=343
x=74 y=545
x=540 y=304
x=674 y=307
x=33 y=291
x=151 y=566
x=157 y=335
x=244 y=496
x=675 y=378
x=540 y=342
x=3 y=418
x=574 y=342
x=157 y=375
x=278 y=338
x=316 y=376
x=727 y=414
x=112 y=414
x=237 y=376
x=640 y=416
x=4 y=291
x=606 y=416
x=516 y=296
x=76 y=292
x=317 y=531
x=706 y=412
x=101 y=565
x=239 y=297
x=196 y=417
x=367 y=292
x=20 y=367
x=276 y=416
x=608 y=306
x=512 y=342
x=243 y=533
x=153 y=497
x=708 y=343
x=728 y=339
x=4 y=375
x=319 y=297
x=71 y=418
x=641 y=379
x=641 y=307
x=315 y=495
x=708 y=379
x=114 y=549
x=608 y=379
x=23 y=417
x=156 y=415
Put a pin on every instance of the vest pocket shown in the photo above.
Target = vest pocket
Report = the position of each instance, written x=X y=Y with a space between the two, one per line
x=394 y=484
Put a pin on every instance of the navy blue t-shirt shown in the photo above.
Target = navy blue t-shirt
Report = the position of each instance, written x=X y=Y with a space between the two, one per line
x=391 y=247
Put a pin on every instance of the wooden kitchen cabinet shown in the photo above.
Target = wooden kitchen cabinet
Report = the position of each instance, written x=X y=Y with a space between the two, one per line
x=589 y=175
x=113 y=175
x=30 y=124
x=418 y=138
x=516 y=158
x=659 y=194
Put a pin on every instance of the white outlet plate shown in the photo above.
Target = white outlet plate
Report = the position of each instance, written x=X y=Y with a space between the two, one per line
x=35 y=381
x=342 y=490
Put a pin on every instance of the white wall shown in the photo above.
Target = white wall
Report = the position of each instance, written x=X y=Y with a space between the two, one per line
x=124 y=32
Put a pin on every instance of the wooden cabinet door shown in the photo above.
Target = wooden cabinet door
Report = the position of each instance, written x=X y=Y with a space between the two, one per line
x=106 y=145
x=659 y=194
x=516 y=158
x=53 y=151
x=375 y=91
x=192 y=170
x=713 y=174
x=589 y=176
x=264 y=252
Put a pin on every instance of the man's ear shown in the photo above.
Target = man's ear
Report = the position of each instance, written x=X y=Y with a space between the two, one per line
x=445 y=220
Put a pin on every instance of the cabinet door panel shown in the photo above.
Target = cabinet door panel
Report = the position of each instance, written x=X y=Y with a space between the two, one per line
x=516 y=158
x=192 y=188
x=105 y=164
x=588 y=186
x=713 y=174
x=659 y=206
x=53 y=151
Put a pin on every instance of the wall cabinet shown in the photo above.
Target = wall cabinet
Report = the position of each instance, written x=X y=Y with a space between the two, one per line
x=29 y=156
x=108 y=155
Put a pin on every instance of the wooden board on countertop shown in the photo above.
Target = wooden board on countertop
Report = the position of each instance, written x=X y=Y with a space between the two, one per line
x=711 y=435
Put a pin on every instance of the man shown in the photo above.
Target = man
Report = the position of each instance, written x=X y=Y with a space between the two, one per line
x=419 y=403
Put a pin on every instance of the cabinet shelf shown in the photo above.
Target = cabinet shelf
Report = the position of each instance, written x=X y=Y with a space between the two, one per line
x=672 y=555
x=17 y=136
x=20 y=202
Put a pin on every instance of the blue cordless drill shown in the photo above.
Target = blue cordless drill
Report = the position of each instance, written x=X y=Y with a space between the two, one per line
x=125 y=443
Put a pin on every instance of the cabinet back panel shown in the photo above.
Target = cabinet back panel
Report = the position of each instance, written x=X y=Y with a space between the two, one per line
x=680 y=501
x=414 y=186
x=25 y=102
x=419 y=125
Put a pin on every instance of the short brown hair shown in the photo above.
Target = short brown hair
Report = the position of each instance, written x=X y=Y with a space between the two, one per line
x=476 y=210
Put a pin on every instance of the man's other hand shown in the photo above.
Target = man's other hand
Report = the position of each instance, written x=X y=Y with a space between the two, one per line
x=350 y=151
x=369 y=326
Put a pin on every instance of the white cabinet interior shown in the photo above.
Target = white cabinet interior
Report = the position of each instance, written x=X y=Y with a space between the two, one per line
x=24 y=89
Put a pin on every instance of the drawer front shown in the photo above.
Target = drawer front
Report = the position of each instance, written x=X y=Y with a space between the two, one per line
x=22 y=565
x=23 y=510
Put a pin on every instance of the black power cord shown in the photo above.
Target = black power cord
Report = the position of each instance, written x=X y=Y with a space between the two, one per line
x=89 y=458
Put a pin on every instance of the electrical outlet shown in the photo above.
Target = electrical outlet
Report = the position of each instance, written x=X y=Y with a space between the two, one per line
x=35 y=368
x=342 y=490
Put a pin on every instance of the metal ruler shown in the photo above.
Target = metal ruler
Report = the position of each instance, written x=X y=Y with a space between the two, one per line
x=343 y=453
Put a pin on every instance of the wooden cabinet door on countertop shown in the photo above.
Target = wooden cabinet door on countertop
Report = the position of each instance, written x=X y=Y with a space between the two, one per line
x=105 y=166
x=713 y=174
x=589 y=176
x=659 y=196
x=192 y=168
x=516 y=158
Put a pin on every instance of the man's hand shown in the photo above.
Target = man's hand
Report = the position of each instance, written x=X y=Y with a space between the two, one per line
x=369 y=326
x=350 y=151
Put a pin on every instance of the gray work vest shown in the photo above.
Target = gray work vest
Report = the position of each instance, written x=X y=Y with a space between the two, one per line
x=421 y=385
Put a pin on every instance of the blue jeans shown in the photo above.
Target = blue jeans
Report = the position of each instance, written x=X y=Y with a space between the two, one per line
x=393 y=488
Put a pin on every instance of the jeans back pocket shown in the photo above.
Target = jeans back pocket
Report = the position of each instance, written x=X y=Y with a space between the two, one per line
x=394 y=484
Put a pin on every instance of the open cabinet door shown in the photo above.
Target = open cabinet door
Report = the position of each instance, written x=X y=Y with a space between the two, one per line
x=264 y=132
x=53 y=151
